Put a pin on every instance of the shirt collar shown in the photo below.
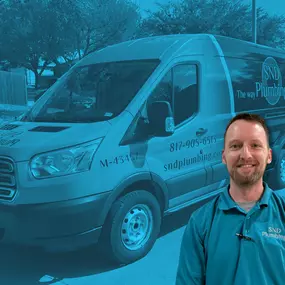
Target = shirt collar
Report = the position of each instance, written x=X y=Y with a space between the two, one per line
x=226 y=202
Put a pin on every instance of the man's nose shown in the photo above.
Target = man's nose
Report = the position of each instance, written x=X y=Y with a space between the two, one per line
x=245 y=152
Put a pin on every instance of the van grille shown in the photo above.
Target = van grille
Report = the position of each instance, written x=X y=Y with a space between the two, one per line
x=8 y=185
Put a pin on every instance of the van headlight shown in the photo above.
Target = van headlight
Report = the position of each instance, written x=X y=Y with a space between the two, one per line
x=64 y=161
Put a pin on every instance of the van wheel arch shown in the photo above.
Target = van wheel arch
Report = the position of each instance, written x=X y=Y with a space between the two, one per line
x=148 y=186
x=148 y=181
x=125 y=188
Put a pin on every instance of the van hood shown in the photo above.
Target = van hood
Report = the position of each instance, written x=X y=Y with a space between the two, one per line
x=22 y=140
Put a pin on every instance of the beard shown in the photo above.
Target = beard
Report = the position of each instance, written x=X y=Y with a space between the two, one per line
x=247 y=179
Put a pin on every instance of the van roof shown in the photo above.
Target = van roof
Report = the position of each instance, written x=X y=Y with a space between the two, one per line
x=232 y=47
x=157 y=47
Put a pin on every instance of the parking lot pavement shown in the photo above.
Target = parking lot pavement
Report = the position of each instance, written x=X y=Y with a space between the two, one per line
x=33 y=267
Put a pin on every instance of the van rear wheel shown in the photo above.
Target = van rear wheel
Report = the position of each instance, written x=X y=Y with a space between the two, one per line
x=132 y=227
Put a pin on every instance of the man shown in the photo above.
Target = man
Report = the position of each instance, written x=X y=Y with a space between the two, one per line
x=238 y=238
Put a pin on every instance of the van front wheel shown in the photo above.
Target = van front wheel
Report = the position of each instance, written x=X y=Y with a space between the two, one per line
x=132 y=227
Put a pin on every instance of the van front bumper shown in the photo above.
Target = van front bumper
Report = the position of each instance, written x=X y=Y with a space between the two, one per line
x=57 y=226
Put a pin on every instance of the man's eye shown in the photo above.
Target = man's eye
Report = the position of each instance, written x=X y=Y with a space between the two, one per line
x=234 y=146
x=255 y=145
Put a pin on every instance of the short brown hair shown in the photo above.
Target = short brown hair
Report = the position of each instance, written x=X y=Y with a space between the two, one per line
x=250 y=118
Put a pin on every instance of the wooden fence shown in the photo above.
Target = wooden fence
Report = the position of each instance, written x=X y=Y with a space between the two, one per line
x=13 y=89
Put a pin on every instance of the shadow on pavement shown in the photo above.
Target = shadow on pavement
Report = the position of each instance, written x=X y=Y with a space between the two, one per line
x=26 y=266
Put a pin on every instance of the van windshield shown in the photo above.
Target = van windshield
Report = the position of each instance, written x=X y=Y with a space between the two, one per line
x=92 y=93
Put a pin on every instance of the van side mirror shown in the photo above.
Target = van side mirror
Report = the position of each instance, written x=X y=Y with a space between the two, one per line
x=160 y=117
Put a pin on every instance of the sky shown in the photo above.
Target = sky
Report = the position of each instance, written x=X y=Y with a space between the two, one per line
x=270 y=6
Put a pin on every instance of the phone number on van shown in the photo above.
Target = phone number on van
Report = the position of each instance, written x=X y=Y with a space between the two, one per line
x=192 y=143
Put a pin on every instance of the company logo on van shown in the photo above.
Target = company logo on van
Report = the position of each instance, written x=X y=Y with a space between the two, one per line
x=271 y=86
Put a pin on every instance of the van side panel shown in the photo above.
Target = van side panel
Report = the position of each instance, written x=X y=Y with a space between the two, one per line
x=257 y=75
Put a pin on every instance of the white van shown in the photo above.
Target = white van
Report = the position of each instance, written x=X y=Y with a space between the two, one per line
x=132 y=133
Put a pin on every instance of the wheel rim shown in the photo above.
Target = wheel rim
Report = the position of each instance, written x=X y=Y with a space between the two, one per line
x=137 y=227
x=282 y=169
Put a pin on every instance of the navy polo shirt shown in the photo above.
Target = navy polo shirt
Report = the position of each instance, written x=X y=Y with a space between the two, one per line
x=212 y=253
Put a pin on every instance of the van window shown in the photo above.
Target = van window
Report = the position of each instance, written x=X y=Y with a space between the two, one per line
x=185 y=92
x=180 y=88
x=257 y=84
x=163 y=91
x=92 y=93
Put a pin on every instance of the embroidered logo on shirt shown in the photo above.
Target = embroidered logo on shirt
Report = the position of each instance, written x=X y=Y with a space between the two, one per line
x=274 y=233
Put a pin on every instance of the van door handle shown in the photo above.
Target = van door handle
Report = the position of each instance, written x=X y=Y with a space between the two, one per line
x=201 y=131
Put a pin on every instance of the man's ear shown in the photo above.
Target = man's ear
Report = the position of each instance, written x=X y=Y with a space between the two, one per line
x=269 y=160
x=223 y=157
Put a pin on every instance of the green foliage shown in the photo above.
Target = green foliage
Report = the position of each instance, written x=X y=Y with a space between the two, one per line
x=223 y=17
x=94 y=24
x=38 y=32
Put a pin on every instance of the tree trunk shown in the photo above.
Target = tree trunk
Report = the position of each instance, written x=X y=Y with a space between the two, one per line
x=37 y=76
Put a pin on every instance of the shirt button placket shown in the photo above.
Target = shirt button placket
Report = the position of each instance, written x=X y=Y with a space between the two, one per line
x=247 y=224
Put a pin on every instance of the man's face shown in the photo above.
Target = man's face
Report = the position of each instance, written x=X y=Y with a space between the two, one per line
x=246 y=152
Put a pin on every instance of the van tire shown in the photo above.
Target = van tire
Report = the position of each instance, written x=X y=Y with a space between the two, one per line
x=139 y=213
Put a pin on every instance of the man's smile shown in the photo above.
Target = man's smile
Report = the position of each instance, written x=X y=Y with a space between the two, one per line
x=246 y=165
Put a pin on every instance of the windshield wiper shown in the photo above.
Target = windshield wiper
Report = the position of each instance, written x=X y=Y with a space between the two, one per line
x=25 y=117
x=70 y=120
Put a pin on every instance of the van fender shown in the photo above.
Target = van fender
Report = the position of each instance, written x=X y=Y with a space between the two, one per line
x=163 y=186
x=133 y=183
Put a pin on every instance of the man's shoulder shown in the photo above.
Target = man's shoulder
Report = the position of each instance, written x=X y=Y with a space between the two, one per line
x=279 y=197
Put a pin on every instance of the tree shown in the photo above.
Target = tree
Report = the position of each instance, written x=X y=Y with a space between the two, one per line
x=98 y=23
x=271 y=30
x=36 y=33
x=224 y=17
x=31 y=34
